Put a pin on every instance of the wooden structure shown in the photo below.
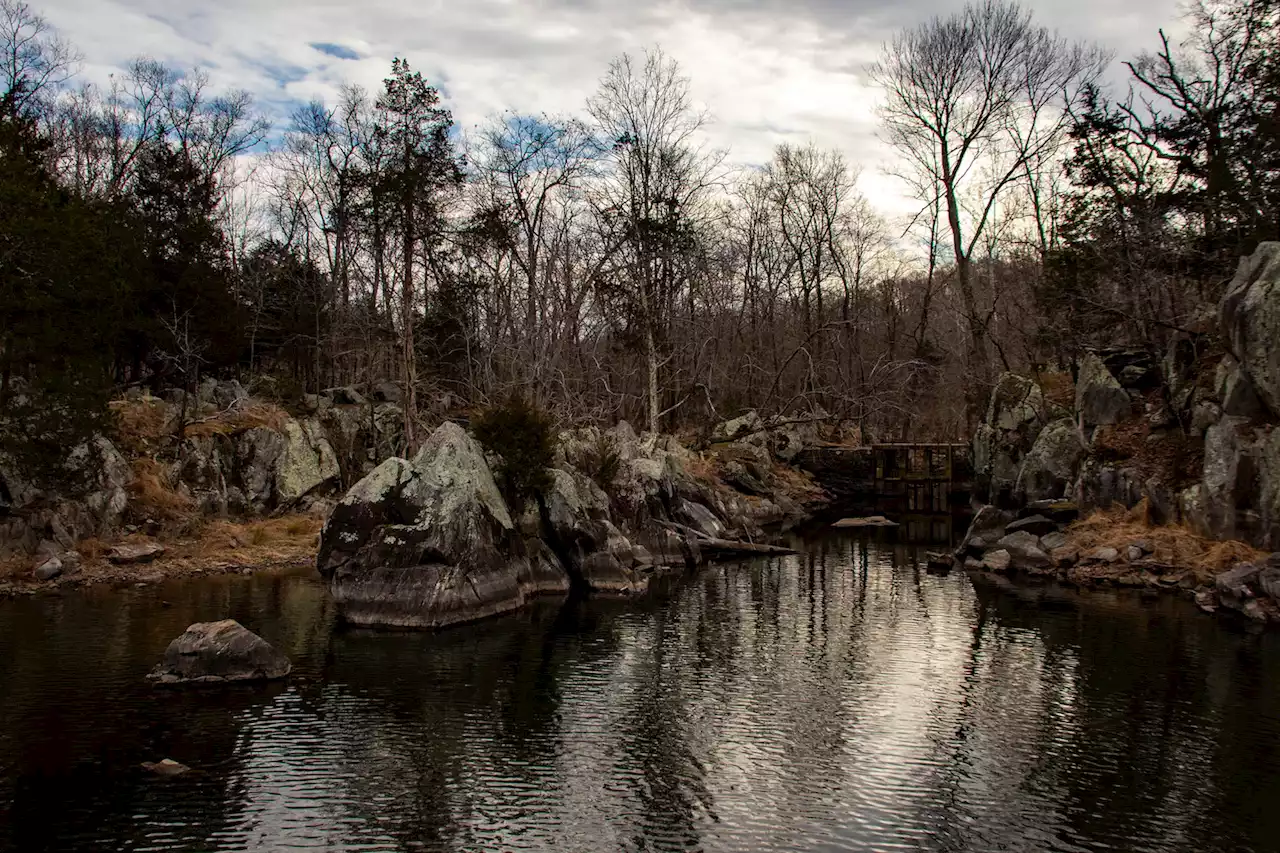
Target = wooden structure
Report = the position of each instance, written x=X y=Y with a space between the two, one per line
x=903 y=478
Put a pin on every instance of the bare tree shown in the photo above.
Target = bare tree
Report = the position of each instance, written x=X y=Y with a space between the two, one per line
x=971 y=101
x=655 y=191
x=34 y=59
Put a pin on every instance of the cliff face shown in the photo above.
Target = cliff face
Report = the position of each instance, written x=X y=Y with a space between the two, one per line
x=1193 y=431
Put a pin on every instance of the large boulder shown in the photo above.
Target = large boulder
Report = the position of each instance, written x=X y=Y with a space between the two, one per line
x=430 y=542
x=218 y=652
x=1230 y=477
x=1100 y=398
x=1015 y=415
x=1235 y=392
x=307 y=462
x=1051 y=465
x=1250 y=313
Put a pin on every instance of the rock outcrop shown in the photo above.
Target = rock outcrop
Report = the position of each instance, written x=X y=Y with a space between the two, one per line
x=1195 y=433
x=1250 y=317
x=431 y=542
x=219 y=652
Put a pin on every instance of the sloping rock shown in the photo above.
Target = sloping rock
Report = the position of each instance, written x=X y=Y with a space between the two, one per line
x=1052 y=464
x=215 y=652
x=1037 y=525
x=429 y=543
x=986 y=528
x=997 y=561
x=1236 y=392
x=307 y=462
x=1250 y=313
x=1100 y=399
x=258 y=454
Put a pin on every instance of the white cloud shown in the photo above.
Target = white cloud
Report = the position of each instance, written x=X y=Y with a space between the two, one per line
x=769 y=70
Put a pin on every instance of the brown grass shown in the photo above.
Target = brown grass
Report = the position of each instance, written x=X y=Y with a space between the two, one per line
x=153 y=496
x=1058 y=387
x=702 y=467
x=139 y=423
x=239 y=419
x=266 y=540
x=1173 y=544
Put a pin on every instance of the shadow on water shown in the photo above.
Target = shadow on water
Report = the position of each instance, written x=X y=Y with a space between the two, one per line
x=841 y=699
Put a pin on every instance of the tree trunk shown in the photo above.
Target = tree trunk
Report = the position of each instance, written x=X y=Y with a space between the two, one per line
x=408 y=354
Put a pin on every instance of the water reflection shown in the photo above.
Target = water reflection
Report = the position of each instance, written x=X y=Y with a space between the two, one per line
x=839 y=700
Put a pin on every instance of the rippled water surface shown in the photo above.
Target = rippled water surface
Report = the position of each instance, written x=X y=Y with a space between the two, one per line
x=841 y=700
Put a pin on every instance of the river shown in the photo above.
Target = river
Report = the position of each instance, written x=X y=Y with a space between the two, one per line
x=839 y=700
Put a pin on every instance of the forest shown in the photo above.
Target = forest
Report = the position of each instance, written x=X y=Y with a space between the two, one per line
x=610 y=263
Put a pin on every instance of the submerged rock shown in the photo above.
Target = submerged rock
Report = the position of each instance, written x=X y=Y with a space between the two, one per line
x=216 y=652
x=165 y=767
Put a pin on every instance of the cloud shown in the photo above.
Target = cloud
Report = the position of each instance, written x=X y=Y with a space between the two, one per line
x=770 y=71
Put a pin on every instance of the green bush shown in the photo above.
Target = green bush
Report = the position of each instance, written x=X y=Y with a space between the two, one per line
x=522 y=436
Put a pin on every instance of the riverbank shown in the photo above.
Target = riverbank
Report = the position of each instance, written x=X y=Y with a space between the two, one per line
x=218 y=547
x=1119 y=548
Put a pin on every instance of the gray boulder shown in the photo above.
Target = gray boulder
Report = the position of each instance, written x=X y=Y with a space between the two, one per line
x=1024 y=550
x=132 y=553
x=219 y=652
x=1052 y=464
x=1250 y=313
x=1236 y=392
x=1015 y=414
x=739 y=427
x=430 y=542
x=986 y=528
x=48 y=570
x=306 y=463
x=997 y=561
x=1100 y=399
x=1037 y=525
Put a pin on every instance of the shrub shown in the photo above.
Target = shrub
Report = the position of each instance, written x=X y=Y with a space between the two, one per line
x=521 y=436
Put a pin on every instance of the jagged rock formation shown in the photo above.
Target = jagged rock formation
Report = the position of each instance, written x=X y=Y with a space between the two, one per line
x=1194 y=433
x=235 y=457
x=431 y=542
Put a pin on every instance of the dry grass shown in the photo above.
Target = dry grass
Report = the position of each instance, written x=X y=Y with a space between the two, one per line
x=240 y=418
x=1058 y=387
x=1172 y=544
x=702 y=467
x=139 y=424
x=153 y=496
x=267 y=540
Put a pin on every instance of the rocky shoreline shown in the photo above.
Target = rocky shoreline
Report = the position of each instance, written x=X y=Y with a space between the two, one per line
x=431 y=542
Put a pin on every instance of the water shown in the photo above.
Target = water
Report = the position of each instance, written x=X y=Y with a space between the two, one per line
x=842 y=700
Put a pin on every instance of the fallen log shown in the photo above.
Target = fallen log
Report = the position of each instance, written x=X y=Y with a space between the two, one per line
x=729 y=547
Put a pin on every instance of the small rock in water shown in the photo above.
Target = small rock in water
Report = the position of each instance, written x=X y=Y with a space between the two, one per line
x=166 y=767
x=1104 y=555
x=996 y=561
x=211 y=652
x=129 y=553
x=49 y=569
x=869 y=521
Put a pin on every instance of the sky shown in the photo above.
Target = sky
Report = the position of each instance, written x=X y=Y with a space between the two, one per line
x=769 y=71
